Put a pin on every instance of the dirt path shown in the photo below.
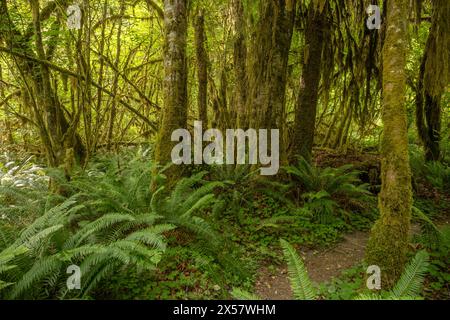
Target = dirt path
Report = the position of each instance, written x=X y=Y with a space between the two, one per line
x=322 y=266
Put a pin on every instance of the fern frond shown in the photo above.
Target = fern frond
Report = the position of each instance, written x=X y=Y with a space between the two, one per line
x=38 y=271
x=300 y=282
x=240 y=294
x=411 y=281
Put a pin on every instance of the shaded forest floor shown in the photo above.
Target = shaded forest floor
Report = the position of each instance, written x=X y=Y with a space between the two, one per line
x=323 y=265
x=250 y=223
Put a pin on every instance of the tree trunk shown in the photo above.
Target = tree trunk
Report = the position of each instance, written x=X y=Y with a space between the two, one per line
x=306 y=107
x=58 y=135
x=268 y=68
x=388 y=243
x=240 y=65
x=174 y=114
x=202 y=68
x=433 y=78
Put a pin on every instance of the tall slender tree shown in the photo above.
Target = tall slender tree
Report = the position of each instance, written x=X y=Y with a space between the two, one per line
x=388 y=243
x=306 y=106
x=202 y=67
x=267 y=74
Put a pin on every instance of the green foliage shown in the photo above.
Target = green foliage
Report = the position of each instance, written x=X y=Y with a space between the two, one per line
x=329 y=193
x=120 y=223
x=6 y=257
x=438 y=174
x=68 y=235
x=21 y=174
x=300 y=283
x=240 y=294
x=335 y=181
x=240 y=187
x=411 y=281
x=408 y=287
x=344 y=287
x=438 y=244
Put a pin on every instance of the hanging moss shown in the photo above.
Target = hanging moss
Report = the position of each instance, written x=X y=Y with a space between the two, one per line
x=433 y=79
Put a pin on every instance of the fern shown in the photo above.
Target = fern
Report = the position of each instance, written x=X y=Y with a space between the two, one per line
x=412 y=278
x=438 y=174
x=335 y=181
x=6 y=257
x=111 y=220
x=407 y=288
x=240 y=294
x=301 y=284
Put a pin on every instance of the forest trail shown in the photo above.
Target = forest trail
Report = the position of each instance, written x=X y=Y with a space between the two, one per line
x=322 y=265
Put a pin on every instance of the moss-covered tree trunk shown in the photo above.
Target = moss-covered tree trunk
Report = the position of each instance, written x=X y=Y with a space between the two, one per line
x=240 y=65
x=202 y=68
x=388 y=243
x=433 y=79
x=174 y=113
x=268 y=67
x=306 y=106
x=59 y=136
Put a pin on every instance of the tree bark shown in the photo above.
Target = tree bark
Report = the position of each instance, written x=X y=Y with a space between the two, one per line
x=240 y=65
x=388 y=243
x=306 y=106
x=202 y=68
x=174 y=113
x=265 y=103
x=433 y=78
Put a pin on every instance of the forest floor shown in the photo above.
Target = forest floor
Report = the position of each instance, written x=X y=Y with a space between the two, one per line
x=322 y=265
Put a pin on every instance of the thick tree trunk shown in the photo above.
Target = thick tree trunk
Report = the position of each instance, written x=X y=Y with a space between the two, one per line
x=174 y=114
x=268 y=63
x=388 y=243
x=306 y=107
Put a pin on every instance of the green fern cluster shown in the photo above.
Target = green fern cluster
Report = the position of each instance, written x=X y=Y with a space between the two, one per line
x=407 y=288
x=131 y=186
x=324 y=191
x=438 y=174
x=66 y=235
x=112 y=219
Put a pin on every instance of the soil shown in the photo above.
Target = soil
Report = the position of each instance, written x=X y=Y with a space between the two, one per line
x=322 y=266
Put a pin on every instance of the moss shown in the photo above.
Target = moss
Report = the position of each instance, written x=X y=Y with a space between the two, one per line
x=389 y=239
x=174 y=115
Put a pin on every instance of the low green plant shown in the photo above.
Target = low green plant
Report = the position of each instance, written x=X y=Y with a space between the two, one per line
x=408 y=287
x=327 y=193
x=67 y=235
x=343 y=181
x=438 y=174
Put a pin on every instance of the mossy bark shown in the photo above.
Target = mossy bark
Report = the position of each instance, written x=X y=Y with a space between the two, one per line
x=433 y=79
x=55 y=131
x=174 y=113
x=388 y=243
x=240 y=65
x=268 y=67
x=202 y=68
x=306 y=106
